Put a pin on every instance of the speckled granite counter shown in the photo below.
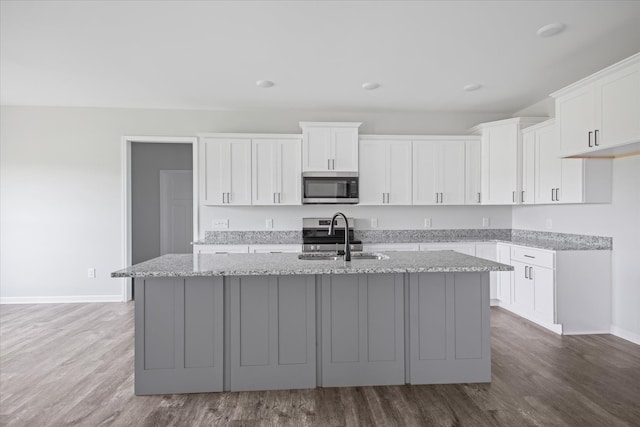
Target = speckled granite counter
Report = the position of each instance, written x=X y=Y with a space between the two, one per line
x=533 y=239
x=289 y=264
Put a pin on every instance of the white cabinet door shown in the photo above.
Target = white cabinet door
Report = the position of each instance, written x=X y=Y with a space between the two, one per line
x=399 y=176
x=329 y=146
x=523 y=287
x=504 y=278
x=385 y=172
x=226 y=171
x=426 y=173
x=276 y=172
x=344 y=144
x=373 y=174
x=489 y=251
x=549 y=165
x=452 y=172
x=577 y=116
x=500 y=150
x=362 y=329
x=472 y=173
x=527 y=196
x=544 y=293
x=316 y=148
x=618 y=107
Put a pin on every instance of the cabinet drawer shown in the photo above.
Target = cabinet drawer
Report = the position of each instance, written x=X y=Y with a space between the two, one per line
x=531 y=256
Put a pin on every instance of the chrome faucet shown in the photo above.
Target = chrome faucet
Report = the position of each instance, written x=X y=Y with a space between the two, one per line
x=347 y=246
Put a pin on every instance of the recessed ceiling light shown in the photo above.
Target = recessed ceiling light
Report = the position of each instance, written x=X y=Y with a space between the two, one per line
x=264 y=83
x=550 y=30
x=370 y=85
x=472 y=87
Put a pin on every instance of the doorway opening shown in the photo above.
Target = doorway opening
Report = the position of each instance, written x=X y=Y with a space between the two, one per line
x=160 y=199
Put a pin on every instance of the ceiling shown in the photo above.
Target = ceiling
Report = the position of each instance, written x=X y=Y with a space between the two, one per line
x=209 y=54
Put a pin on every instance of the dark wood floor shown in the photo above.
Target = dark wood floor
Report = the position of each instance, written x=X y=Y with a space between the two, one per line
x=72 y=364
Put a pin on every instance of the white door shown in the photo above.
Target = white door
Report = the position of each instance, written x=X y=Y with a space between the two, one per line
x=399 y=175
x=344 y=145
x=212 y=190
x=500 y=164
x=549 y=165
x=240 y=172
x=472 y=173
x=577 y=118
x=373 y=173
x=528 y=168
x=619 y=106
x=176 y=211
x=425 y=173
x=264 y=159
x=289 y=174
x=316 y=149
x=452 y=168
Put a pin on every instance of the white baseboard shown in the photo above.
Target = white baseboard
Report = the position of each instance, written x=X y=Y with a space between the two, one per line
x=625 y=334
x=61 y=299
x=494 y=302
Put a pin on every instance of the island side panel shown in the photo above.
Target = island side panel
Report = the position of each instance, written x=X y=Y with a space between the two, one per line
x=449 y=328
x=272 y=332
x=362 y=329
x=179 y=335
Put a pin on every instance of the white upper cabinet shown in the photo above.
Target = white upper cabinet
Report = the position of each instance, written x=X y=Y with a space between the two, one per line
x=602 y=110
x=385 y=172
x=472 y=173
x=501 y=160
x=547 y=178
x=276 y=171
x=225 y=171
x=330 y=146
x=439 y=172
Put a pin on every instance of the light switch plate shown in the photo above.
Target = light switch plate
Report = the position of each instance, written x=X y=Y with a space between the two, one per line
x=374 y=222
x=220 y=223
x=427 y=222
x=91 y=273
x=485 y=222
x=269 y=223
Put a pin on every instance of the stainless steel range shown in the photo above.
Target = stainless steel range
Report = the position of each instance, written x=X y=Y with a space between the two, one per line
x=315 y=235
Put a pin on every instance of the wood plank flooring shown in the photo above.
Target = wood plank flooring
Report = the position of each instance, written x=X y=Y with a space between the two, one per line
x=72 y=364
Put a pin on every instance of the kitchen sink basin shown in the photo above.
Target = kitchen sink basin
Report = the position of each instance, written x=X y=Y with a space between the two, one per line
x=335 y=257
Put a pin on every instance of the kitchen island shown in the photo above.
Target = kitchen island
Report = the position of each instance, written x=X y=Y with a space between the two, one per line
x=209 y=323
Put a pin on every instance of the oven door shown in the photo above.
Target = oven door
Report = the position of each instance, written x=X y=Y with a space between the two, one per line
x=329 y=188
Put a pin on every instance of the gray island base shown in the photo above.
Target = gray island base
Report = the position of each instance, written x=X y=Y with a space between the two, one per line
x=209 y=323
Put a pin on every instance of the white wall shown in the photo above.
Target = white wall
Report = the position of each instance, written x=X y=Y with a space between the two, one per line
x=61 y=188
x=620 y=220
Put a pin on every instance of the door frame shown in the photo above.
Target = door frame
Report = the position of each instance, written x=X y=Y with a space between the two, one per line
x=126 y=142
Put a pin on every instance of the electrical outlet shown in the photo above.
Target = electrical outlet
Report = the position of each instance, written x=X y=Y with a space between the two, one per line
x=427 y=222
x=269 y=223
x=91 y=273
x=374 y=222
x=485 y=222
x=220 y=223
x=549 y=224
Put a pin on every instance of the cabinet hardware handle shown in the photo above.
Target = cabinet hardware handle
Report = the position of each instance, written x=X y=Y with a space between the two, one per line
x=513 y=196
x=595 y=138
x=437 y=198
x=388 y=195
x=383 y=197
x=279 y=197
x=274 y=198
x=552 y=196
x=557 y=194
x=522 y=196
x=530 y=273
x=590 y=132
x=223 y=197
x=529 y=256
x=228 y=197
x=478 y=197
x=441 y=197
x=526 y=270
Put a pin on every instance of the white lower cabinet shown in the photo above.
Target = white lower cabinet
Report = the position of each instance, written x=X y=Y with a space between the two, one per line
x=489 y=251
x=273 y=344
x=362 y=329
x=504 y=279
x=449 y=328
x=568 y=292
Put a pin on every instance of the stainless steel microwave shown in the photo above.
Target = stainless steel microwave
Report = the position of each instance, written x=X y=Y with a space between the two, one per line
x=330 y=187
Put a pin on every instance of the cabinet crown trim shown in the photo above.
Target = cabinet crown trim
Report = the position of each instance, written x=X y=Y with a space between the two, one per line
x=538 y=126
x=523 y=121
x=330 y=124
x=251 y=135
x=632 y=60
x=421 y=137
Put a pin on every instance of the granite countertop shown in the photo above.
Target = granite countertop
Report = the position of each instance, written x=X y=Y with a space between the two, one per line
x=533 y=239
x=187 y=265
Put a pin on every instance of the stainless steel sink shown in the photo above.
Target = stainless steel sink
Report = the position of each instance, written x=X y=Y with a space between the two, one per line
x=335 y=257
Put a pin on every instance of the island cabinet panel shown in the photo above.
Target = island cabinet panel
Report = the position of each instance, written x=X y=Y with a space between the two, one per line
x=272 y=332
x=179 y=335
x=449 y=328
x=362 y=329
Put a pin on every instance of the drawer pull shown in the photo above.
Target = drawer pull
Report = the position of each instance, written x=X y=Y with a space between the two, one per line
x=529 y=256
